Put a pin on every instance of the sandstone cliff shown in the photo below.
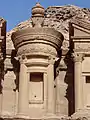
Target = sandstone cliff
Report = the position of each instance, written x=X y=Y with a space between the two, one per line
x=57 y=17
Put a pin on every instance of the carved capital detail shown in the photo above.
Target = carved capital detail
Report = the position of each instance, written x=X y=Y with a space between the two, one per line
x=22 y=59
x=78 y=57
x=51 y=60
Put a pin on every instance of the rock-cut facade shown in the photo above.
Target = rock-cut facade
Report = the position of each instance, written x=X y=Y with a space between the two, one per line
x=45 y=65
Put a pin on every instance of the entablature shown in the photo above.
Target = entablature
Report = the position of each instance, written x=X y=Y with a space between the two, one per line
x=79 y=34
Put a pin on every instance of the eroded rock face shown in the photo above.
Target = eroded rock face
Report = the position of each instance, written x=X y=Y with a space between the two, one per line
x=57 y=17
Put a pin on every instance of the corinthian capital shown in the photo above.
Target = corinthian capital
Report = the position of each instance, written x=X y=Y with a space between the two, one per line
x=78 y=57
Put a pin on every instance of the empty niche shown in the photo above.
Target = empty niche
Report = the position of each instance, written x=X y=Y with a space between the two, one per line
x=88 y=91
x=88 y=79
x=36 y=88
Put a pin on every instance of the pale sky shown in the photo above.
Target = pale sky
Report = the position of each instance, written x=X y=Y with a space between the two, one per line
x=16 y=11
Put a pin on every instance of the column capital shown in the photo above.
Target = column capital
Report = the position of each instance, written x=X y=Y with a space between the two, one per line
x=51 y=60
x=78 y=57
x=22 y=59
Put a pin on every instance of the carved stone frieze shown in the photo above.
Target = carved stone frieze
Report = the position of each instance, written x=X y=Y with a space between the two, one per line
x=36 y=49
x=82 y=47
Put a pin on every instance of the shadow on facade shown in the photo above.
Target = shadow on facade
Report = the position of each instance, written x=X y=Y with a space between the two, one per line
x=16 y=68
x=69 y=79
x=1 y=74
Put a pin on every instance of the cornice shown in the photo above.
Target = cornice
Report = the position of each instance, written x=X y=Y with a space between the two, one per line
x=81 y=23
x=39 y=31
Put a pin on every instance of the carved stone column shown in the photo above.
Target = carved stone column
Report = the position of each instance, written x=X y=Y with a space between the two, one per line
x=50 y=75
x=45 y=92
x=23 y=98
x=78 y=83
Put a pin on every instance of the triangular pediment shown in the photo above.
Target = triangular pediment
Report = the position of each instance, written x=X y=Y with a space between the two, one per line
x=80 y=28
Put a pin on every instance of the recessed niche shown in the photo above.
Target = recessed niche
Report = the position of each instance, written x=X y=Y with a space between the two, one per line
x=87 y=79
x=36 y=77
x=36 y=88
x=87 y=93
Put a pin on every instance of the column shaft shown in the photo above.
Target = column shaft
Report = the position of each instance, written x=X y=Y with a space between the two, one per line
x=23 y=103
x=78 y=84
x=51 y=102
x=45 y=92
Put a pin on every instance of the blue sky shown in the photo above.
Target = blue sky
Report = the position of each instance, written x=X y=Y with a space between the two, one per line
x=16 y=11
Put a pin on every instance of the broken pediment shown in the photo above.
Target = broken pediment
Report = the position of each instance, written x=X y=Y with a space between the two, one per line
x=79 y=34
x=79 y=28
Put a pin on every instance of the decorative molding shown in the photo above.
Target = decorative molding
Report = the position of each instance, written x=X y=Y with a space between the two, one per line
x=81 y=23
x=82 y=47
x=37 y=48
